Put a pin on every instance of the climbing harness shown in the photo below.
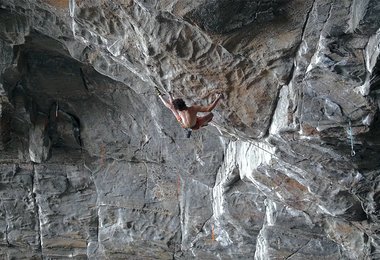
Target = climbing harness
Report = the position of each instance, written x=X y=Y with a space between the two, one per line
x=353 y=153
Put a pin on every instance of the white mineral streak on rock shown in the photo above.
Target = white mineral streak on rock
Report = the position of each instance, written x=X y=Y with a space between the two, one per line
x=330 y=212
x=357 y=12
x=262 y=246
x=317 y=58
x=72 y=8
x=116 y=47
x=280 y=120
x=271 y=210
x=372 y=51
x=244 y=157
x=39 y=143
x=222 y=236
x=371 y=54
x=72 y=15
x=364 y=88
x=368 y=120
x=218 y=198
x=249 y=156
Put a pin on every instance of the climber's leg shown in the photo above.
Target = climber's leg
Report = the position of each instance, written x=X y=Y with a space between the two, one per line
x=203 y=121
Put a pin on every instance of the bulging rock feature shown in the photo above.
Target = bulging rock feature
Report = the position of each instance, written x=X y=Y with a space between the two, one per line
x=92 y=165
x=225 y=16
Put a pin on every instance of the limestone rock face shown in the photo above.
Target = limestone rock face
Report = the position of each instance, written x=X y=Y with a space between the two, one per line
x=93 y=166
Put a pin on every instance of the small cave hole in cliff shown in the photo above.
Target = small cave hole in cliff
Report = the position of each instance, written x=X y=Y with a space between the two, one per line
x=47 y=92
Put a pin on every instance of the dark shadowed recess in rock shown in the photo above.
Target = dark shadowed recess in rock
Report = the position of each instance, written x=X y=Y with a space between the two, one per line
x=42 y=87
x=375 y=80
x=367 y=145
x=229 y=15
x=340 y=49
x=369 y=25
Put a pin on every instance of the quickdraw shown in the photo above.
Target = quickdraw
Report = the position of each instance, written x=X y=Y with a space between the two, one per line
x=189 y=131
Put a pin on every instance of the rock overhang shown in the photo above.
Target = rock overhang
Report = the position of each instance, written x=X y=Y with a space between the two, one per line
x=301 y=94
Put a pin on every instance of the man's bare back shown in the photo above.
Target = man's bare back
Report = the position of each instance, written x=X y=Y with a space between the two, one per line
x=187 y=116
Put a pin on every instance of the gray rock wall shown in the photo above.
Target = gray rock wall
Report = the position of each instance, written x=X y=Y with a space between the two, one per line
x=93 y=166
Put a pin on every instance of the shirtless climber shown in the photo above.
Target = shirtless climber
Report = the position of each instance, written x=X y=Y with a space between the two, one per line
x=187 y=116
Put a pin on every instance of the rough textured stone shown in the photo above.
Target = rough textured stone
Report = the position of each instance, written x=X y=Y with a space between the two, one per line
x=93 y=166
x=19 y=219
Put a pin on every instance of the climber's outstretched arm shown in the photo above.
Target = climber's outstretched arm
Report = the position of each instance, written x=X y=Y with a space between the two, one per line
x=208 y=108
x=169 y=104
x=171 y=107
x=166 y=103
x=171 y=97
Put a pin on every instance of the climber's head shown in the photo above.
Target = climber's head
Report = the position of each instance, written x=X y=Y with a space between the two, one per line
x=179 y=104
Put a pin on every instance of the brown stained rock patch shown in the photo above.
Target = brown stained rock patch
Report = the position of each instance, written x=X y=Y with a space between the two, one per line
x=309 y=130
x=62 y=4
x=296 y=194
x=253 y=106
x=290 y=185
x=289 y=190
x=293 y=185
x=344 y=229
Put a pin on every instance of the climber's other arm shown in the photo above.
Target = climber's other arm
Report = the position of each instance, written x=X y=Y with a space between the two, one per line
x=166 y=103
x=208 y=108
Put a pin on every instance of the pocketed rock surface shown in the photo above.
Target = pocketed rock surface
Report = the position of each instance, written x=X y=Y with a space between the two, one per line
x=93 y=166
